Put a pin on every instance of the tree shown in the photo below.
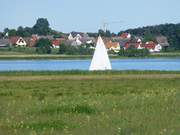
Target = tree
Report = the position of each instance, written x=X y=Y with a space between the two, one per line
x=103 y=33
x=43 y=46
x=12 y=32
x=62 y=48
x=149 y=37
x=6 y=30
x=20 y=31
x=92 y=34
x=108 y=33
x=1 y=35
x=42 y=27
x=28 y=31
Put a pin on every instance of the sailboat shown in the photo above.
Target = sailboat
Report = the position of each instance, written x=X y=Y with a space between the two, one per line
x=100 y=60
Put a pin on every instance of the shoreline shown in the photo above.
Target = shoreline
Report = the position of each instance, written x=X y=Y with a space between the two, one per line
x=68 y=57
x=86 y=73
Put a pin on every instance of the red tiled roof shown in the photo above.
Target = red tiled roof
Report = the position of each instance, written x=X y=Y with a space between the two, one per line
x=56 y=42
x=13 y=40
x=150 y=45
x=112 y=44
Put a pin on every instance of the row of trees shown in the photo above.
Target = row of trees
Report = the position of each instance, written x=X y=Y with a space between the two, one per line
x=171 y=31
x=41 y=27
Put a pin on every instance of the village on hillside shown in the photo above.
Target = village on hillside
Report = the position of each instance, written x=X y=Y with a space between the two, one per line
x=116 y=43
x=29 y=37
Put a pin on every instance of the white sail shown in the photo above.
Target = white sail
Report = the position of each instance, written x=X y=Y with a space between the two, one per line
x=100 y=59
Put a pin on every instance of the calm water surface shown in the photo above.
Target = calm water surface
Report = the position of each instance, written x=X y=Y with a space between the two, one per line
x=166 y=64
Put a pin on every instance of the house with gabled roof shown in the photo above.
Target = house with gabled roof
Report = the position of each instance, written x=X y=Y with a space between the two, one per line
x=163 y=41
x=55 y=43
x=150 y=45
x=113 y=46
x=70 y=37
x=76 y=42
x=4 y=42
x=21 y=42
x=17 y=41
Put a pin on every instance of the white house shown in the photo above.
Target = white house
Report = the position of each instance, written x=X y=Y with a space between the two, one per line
x=139 y=41
x=78 y=36
x=70 y=37
x=158 y=48
x=21 y=42
x=77 y=42
x=89 y=42
x=140 y=47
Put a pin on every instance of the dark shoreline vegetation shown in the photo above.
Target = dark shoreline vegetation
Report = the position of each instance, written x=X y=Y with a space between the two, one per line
x=79 y=72
x=82 y=102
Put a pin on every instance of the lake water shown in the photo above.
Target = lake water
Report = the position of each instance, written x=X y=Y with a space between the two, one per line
x=164 y=64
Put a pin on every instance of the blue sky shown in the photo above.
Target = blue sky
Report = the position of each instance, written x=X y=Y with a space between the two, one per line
x=88 y=15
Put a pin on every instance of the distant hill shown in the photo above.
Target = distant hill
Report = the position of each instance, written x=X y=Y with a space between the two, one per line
x=171 y=31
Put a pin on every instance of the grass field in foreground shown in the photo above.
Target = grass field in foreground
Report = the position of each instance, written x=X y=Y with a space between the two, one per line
x=113 y=103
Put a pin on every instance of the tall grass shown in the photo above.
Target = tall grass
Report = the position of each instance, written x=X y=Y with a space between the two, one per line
x=105 y=106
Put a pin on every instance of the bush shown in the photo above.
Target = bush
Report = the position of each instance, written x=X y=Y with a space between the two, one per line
x=75 y=50
x=133 y=52
x=43 y=46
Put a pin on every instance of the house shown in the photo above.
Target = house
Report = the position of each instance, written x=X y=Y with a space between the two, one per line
x=21 y=42
x=55 y=43
x=125 y=36
x=150 y=45
x=17 y=41
x=4 y=42
x=70 y=37
x=76 y=42
x=13 y=40
x=126 y=46
x=139 y=41
x=158 y=48
x=79 y=39
x=113 y=46
x=163 y=41
x=139 y=46
x=78 y=36
x=132 y=43
x=153 y=47
x=33 y=40
x=89 y=42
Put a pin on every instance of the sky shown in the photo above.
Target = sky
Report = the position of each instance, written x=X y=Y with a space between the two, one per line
x=89 y=15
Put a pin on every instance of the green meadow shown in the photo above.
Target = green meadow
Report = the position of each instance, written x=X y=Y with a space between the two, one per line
x=83 y=103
